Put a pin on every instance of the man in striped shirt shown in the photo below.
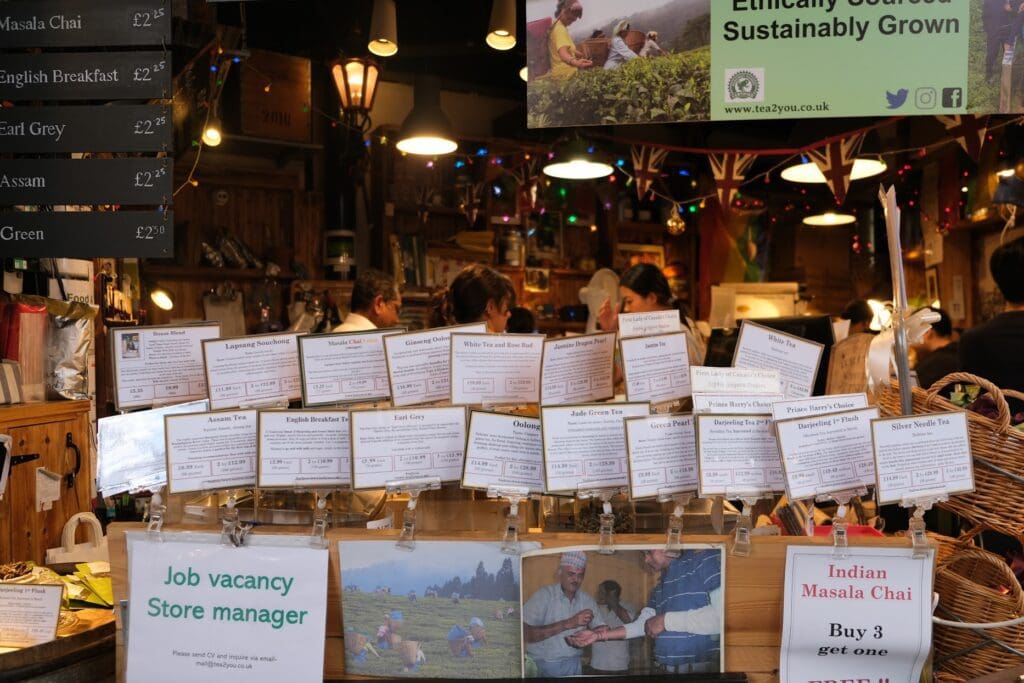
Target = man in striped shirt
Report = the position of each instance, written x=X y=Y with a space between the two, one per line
x=683 y=614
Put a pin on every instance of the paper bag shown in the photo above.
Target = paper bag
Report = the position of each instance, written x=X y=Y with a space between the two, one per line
x=93 y=550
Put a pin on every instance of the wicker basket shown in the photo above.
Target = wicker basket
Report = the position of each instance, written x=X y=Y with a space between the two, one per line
x=977 y=586
x=998 y=449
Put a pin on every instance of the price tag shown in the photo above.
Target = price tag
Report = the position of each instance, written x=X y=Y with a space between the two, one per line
x=85 y=76
x=88 y=234
x=86 y=181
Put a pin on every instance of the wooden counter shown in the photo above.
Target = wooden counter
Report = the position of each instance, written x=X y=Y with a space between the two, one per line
x=82 y=652
x=753 y=594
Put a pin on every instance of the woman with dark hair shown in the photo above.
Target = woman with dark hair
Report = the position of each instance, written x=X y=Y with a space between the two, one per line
x=643 y=289
x=477 y=294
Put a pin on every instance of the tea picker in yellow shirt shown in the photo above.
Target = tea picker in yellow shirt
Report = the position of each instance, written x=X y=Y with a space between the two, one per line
x=565 y=58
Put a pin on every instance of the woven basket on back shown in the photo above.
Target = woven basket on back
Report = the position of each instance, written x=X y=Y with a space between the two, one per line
x=977 y=586
x=998 y=449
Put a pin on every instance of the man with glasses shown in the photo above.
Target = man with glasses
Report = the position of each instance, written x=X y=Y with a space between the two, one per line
x=376 y=303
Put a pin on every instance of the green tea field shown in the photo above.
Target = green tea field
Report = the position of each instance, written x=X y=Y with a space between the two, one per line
x=428 y=621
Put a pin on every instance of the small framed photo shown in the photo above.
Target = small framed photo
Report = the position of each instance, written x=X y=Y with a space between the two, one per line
x=931 y=284
x=538 y=279
x=628 y=255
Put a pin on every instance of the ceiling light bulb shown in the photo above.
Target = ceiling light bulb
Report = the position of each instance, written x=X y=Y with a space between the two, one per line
x=830 y=219
x=211 y=134
x=383 y=29
x=524 y=73
x=161 y=298
x=808 y=172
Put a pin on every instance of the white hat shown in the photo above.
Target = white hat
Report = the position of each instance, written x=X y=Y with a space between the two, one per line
x=573 y=558
x=623 y=25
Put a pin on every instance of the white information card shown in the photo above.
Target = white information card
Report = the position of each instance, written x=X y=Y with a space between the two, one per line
x=735 y=404
x=578 y=369
x=796 y=359
x=662 y=454
x=131 y=453
x=246 y=371
x=737 y=454
x=209 y=613
x=210 y=451
x=656 y=368
x=28 y=613
x=649 y=323
x=818 y=405
x=504 y=450
x=823 y=454
x=303 y=449
x=708 y=380
x=496 y=369
x=585 y=445
x=865 y=618
x=922 y=455
x=159 y=365
x=397 y=445
x=418 y=364
x=344 y=367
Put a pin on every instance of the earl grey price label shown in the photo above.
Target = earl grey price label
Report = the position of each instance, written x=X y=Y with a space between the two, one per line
x=74 y=23
x=87 y=234
x=113 y=128
x=85 y=181
x=85 y=76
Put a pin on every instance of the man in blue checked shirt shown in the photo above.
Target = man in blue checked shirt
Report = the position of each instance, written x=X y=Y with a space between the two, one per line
x=683 y=615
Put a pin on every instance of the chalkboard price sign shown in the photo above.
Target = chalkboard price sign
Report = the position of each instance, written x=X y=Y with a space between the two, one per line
x=74 y=23
x=87 y=234
x=114 y=128
x=85 y=181
x=85 y=76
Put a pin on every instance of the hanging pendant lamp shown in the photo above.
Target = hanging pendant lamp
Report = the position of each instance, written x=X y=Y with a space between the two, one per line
x=427 y=130
x=383 y=29
x=501 y=33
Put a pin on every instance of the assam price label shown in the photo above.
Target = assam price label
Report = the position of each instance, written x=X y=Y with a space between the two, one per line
x=114 y=128
x=88 y=234
x=85 y=76
x=85 y=181
x=72 y=23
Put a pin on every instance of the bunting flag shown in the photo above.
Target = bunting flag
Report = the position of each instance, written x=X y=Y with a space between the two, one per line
x=647 y=163
x=835 y=161
x=969 y=131
x=730 y=170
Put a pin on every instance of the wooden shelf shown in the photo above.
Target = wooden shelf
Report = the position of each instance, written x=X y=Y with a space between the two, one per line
x=561 y=272
x=211 y=273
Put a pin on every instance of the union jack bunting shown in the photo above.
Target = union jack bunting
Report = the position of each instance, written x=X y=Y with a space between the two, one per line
x=969 y=131
x=646 y=167
x=835 y=161
x=730 y=170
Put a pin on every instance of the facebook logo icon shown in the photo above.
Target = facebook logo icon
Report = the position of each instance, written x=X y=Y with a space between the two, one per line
x=952 y=98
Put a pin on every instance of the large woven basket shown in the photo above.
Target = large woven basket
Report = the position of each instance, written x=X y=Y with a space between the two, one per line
x=976 y=586
x=998 y=449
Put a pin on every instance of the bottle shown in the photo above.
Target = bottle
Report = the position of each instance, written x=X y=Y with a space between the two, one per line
x=512 y=248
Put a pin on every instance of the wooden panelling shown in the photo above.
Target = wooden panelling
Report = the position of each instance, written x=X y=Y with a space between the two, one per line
x=42 y=428
x=283 y=112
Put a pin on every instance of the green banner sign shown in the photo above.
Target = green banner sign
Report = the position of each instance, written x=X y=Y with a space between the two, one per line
x=594 y=62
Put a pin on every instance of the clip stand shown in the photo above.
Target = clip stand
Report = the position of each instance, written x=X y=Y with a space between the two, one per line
x=270 y=402
x=321 y=519
x=232 y=531
x=513 y=523
x=157 y=509
x=606 y=540
x=741 y=546
x=413 y=487
x=674 y=536
x=840 y=535
x=921 y=504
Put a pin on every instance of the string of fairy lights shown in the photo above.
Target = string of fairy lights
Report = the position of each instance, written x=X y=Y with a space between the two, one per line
x=681 y=207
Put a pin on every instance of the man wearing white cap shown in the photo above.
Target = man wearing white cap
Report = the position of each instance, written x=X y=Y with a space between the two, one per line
x=619 y=53
x=557 y=611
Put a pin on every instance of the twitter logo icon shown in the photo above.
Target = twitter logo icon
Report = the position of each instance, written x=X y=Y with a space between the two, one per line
x=897 y=99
